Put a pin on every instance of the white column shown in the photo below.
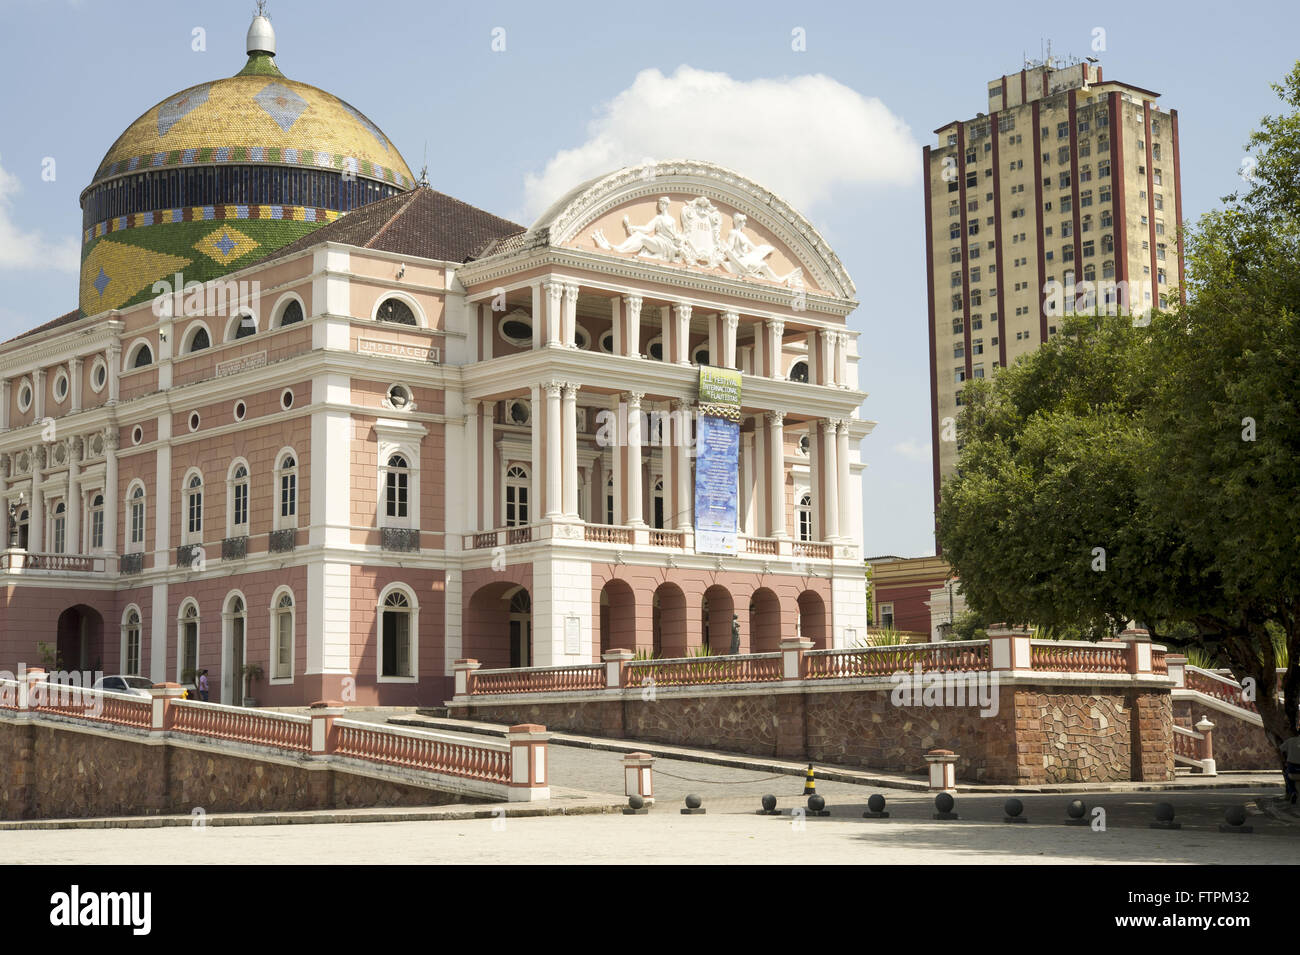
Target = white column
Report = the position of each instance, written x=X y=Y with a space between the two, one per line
x=667 y=330
x=554 y=306
x=683 y=495
x=539 y=315
x=74 y=385
x=775 y=332
x=616 y=324
x=842 y=476
x=570 y=322
x=829 y=473
x=487 y=467
x=38 y=389
x=72 y=537
x=616 y=458
x=114 y=360
x=552 y=450
x=842 y=359
x=162 y=491
x=633 y=475
x=36 y=525
x=632 y=343
x=746 y=517
x=5 y=388
x=776 y=476
x=682 y=333
x=473 y=460
x=730 y=322
x=570 y=430
x=111 y=503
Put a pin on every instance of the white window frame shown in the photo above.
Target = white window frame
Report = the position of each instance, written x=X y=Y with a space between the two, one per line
x=282 y=304
x=91 y=511
x=414 y=634
x=189 y=536
x=192 y=330
x=402 y=437
x=281 y=521
x=228 y=618
x=408 y=301
x=125 y=640
x=516 y=315
x=131 y=354
x=18 y=395
x=880 y=615
x=95 y=367
x=180 y=636
x=58 y=538
x=802 y=511
x=507 y=482
x=232 y=483
x=276 y=611
x=136 y=546
x=61 y=375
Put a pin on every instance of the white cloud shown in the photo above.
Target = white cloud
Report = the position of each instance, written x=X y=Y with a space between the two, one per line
x=21 y=250
x=913 y=450
x=801 y=137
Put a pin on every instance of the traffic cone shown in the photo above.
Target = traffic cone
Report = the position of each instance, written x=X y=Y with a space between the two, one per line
x=809 y=783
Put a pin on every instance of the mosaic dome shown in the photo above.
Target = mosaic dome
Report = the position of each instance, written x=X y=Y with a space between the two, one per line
x=224 y=173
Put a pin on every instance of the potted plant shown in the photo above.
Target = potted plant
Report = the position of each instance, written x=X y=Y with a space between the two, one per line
x=251 y=672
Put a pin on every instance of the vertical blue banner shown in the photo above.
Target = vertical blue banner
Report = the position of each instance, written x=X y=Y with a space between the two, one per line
x=717 y=485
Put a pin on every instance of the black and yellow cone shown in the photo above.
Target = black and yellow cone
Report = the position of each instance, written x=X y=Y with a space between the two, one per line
x=809 y=783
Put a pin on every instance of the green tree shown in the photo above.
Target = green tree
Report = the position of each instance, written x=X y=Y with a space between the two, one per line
x=1127 y=470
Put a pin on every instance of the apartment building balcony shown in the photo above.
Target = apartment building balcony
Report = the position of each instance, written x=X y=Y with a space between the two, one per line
x=15 y=560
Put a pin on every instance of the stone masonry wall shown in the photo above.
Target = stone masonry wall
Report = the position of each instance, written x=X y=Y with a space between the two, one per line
x=1238 y=745
x=55 y=773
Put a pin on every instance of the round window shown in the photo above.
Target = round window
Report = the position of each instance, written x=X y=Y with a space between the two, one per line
x=24 y=397
x=137 y=434
x=240 y=410
x=286 y=399
x=194 y=421
x=399 y=396
x=519 y=412
x=61 y=386
x=607 y=343
x=99 y=375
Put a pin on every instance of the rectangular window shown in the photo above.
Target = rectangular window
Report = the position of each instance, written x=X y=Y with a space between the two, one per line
x=283 y=644
x=195 y=523
x=887 y=616
x=288 y=495
x=241 y=506
x=97 y=528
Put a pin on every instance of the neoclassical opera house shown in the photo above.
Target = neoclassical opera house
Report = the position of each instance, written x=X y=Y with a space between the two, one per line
x=322 y=430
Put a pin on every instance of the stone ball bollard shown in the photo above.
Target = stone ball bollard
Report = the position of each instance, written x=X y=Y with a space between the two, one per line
x=1236 y=815
x=1165 y=817
x=817 y=806
x=875 y=807
x=1077 y=811
x=694 y=806
x=635 y=801
x=1013 y=808
x=769 y=806
x=943 y=804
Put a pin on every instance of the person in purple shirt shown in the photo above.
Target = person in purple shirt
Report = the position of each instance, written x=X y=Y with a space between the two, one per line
x=203 y=686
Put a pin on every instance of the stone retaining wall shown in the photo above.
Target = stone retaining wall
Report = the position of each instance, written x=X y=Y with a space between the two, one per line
x=58 y=772
x=1039 y=734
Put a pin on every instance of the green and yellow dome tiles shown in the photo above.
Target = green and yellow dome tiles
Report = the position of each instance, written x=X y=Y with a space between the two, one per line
x=222 y=174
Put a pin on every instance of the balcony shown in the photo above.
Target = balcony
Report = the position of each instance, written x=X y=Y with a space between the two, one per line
x=282 y=541
x=131 y=563
x=190 y=556
x=649 y=538
x=399 y=538
x=234 y=548
x=21 y=561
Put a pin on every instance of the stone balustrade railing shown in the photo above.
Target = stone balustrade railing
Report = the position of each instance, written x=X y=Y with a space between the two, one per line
x=1005 y=651
x=515 y=769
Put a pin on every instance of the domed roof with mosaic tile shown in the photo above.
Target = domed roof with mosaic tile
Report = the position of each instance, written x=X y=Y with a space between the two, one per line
x=223 y=173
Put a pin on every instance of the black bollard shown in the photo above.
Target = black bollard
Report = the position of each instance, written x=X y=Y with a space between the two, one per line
x=693 y=806
x=943 y=804
x=1236 y=816
x=1013 y=809
x=1077 y=810
x=635 y=806
x=875 y=807
x=769 y=806
x=817 y=806
x=1165 y=817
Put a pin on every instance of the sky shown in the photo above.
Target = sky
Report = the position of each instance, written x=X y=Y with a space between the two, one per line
x=511 y=104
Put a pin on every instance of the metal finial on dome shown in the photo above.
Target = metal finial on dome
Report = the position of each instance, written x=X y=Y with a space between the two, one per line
x=261 y=35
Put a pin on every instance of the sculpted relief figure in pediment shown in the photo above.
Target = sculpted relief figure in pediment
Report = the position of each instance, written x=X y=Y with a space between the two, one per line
x=697 y=241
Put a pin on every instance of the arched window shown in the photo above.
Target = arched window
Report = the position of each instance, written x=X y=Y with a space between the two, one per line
x=137 y=518
x=516 y=511
x=701 y=355
x=194 y=506
x=143 y=357
x=657 y=516
x=609 y=500
x=243 y=326
x=799 y=371
x=239 y=501
x=804 y=517
x=287 y=511
x=131 y=642
x=97 y=522
x=292 y=313
x=199 y=341
x=395 y=310
x=187 y=653
x=24 y=527
x=396 y=481
x=235 y=647
x=395 y=636
x=59 y=538
x=282 y=630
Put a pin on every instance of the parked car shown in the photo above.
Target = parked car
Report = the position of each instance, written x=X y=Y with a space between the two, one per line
x=135 y=685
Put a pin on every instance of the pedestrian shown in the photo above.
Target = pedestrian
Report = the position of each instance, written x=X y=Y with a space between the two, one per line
x=203 y=685
x=1291 y=749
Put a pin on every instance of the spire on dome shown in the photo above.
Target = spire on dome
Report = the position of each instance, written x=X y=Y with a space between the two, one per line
x=261 y=45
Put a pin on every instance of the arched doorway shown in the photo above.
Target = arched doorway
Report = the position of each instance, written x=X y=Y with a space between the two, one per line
x=80 y=640
x=669 y=621
x=764 y=622
x=716 y=610
x=617 y=616
x=498 y=626
x=232 y=663
x=812 y=619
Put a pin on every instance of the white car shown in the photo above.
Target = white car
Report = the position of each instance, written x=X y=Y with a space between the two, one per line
x=135 y=685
